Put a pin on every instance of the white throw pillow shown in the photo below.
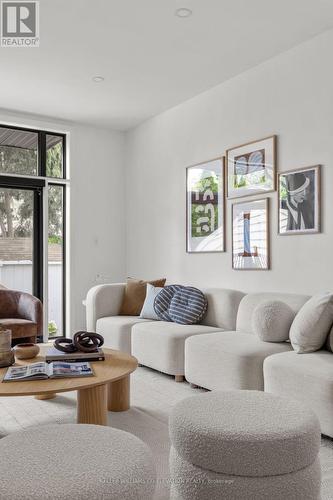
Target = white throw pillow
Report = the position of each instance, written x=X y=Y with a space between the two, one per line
x=148 y=311
x=312 y=323
x=271 y=321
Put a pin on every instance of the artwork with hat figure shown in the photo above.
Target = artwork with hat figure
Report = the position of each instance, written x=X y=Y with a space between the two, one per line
x=299 y=201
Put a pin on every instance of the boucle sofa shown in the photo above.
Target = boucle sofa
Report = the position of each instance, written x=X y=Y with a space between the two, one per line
x=156 y=344
x=234 y=359
x=305 y=377
x=222 y=353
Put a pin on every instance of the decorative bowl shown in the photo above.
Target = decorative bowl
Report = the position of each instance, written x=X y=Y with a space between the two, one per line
x=26 y=351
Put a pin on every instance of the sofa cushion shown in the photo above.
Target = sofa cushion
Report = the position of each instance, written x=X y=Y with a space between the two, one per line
x=251 y=301
x=134 y=295
x=148 y=311
x=117 y=331
x=228 y=360
x=308 y=379
x=20 y=328
x=188 y=306
x=312 y=323
x=222 y=307
x=271 y=321
x=160 y=344
x=185 y=305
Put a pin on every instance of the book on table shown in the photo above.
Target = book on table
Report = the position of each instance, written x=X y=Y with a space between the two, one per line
x=54 y=354
x=41 y=371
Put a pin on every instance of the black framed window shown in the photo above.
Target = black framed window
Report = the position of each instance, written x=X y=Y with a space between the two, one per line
x=32 y=163
x=19 y=151
x=32 y=152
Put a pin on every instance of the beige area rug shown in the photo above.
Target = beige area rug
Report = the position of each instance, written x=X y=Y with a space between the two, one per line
x=153 y=396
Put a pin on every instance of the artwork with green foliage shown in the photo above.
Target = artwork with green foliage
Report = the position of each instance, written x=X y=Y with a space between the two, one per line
x=212 y=184
x=205 y=188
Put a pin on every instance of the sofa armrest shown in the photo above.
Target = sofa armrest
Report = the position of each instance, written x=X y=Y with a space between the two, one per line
x=101 y=301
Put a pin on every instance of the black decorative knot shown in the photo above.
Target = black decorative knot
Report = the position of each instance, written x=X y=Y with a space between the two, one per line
x=82 y=341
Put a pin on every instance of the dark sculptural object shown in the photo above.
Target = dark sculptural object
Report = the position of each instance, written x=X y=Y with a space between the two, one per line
x=82 y=341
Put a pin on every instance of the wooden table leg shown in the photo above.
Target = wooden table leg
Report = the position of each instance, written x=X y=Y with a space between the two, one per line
x=119 y=394
x=42 y=397
x=92 y=406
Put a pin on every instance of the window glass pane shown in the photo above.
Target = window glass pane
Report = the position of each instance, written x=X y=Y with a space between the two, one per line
x=18 y=151
x=54 y=156
x=16 y=238
x=55 y=262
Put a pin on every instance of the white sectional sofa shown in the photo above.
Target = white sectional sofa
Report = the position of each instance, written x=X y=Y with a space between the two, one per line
x=305 y=377
x=103 y=303
x=234 y=359
x=156 y=344
x=221 y=353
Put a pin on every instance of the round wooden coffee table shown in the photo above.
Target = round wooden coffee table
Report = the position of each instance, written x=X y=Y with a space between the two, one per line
x=108 y=389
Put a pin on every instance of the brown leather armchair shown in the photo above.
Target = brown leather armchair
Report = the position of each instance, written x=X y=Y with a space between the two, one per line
x=21 y=313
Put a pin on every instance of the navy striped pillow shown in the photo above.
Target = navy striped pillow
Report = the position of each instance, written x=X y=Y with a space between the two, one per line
x=185 y=305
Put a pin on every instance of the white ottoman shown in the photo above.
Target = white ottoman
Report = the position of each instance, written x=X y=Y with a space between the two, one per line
x=244 y=445
x=81 y=462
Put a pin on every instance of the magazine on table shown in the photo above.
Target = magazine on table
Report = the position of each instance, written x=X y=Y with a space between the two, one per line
x=40 y=371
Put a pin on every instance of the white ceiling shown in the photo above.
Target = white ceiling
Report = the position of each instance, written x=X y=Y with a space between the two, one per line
x=151 y=59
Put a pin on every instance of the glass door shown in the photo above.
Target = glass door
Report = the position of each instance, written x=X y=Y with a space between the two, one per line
x=56 y=261
x=21 y=256
x=33 y=164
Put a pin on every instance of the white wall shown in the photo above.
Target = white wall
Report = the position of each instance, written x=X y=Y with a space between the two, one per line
x=97 y=212
x=96 y=158
x=291 y=96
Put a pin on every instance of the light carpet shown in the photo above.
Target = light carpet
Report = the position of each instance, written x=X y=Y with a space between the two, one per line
x=152 y=397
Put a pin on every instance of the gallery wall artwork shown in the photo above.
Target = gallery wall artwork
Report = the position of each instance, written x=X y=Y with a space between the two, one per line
x=250 y=241
x=299 y=201
x=205 y=207
x=251 y=168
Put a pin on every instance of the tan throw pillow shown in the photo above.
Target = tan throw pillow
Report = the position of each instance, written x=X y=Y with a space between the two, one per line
x=135 y=294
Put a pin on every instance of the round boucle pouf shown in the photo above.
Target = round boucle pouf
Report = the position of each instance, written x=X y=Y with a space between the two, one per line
x=227 y=443
x=71 y=461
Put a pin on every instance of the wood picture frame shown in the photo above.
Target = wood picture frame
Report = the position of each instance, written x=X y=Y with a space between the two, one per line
x=251 y=235
x=205 y=207
x=299 y=201
x=251 y=168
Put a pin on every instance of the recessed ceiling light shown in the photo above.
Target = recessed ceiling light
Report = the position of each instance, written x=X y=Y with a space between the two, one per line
x=183 y=12
x=98 y=79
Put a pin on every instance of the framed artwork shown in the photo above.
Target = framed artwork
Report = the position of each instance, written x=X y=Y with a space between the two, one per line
x=251 y=168
x=250 y=238
x=205 y=207
x=299 y=201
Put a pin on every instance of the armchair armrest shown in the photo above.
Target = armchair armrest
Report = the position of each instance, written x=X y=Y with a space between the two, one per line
x=15 y=304
x=101 y=301
x=29 y=307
